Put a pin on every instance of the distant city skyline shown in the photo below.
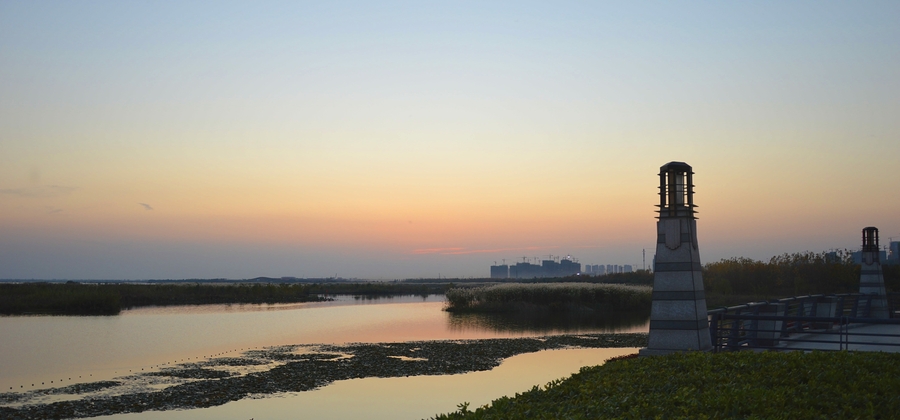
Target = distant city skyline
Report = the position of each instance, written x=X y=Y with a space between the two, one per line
x=167 y=140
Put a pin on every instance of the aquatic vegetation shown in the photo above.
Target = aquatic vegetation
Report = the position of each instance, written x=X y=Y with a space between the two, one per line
x=553 y=297
x=546 y=322
x=712 y=386
x=281 y=369
x=67 y=298
x=73 y=298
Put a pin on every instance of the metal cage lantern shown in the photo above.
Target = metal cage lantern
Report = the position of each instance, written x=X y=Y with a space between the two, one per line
x=870 y=240
x=676 y=190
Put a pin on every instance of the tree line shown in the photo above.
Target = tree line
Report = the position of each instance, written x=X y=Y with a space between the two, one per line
x=794 y=274
x=740 y=280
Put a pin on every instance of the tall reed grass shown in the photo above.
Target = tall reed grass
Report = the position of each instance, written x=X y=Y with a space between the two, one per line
x=510 y=297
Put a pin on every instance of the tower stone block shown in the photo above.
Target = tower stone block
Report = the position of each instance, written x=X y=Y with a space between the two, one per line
x=678 y=320
x=871 y=277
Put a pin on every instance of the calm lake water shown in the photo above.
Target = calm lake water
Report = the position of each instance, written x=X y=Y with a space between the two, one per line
x=36 y=349
x=416 y=397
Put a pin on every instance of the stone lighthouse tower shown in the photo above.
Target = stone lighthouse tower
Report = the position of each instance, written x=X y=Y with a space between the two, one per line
x=678 y=316
x=871 y=278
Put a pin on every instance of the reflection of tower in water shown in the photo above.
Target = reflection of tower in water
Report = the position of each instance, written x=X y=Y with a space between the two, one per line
x=678 y=313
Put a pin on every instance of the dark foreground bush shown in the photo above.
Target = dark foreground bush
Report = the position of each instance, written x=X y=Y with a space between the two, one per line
x=820 y=385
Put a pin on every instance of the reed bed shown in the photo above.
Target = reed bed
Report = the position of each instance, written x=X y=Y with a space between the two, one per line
x=511 y=297
x=109 y=299
x=74 y=298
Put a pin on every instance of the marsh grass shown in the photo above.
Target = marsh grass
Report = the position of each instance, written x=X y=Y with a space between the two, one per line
x=73 y=298
x=68 y=299
x=553 y=297
x=109 y=299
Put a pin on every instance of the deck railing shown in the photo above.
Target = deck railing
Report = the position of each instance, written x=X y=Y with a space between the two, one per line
x=815 y=322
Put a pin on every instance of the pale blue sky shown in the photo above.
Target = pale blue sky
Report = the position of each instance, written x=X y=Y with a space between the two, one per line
x=288 y=138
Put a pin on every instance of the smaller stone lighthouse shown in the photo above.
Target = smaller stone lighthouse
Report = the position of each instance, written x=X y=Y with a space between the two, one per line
x=678 y=319
x=871 y=278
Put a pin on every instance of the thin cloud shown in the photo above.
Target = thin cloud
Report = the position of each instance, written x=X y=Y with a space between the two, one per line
x=434 y=250
x=42 y=191
x=146 y=206
x=464 y=251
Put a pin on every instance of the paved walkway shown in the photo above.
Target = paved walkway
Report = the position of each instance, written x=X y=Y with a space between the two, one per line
x=857 y=336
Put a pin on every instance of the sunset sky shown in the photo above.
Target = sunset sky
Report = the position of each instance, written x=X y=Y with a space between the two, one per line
x=384 y=140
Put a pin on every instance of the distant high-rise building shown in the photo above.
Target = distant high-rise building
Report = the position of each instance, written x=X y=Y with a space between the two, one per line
x=560 y=268
x=568 y=267
x=548 y=268
x=894 y=256
x=499 y=271
x=524 y=270
x=858 y=256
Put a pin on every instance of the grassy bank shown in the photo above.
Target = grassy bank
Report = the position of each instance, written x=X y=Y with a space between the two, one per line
x=554 y=297
x=109 y=299
x=723 y=385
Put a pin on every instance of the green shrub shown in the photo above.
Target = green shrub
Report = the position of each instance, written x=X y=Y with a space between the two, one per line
x=769 y=385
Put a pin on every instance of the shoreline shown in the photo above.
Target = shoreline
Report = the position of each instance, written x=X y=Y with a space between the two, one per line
x=291 y=368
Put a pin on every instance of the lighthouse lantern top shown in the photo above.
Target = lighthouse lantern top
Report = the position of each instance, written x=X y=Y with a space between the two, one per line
x=870 y=239
x=676 y=190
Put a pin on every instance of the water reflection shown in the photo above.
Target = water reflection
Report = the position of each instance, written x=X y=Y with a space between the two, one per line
x=414 y=397
x=388 y=298
x=544 y=323
x=334 y=300
x=40 y=349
